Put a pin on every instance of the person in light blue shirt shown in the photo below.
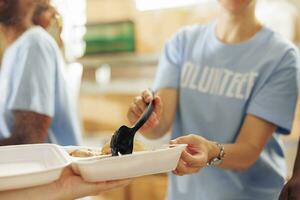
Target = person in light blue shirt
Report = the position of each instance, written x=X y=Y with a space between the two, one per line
x=228 y=89
x=35 y=105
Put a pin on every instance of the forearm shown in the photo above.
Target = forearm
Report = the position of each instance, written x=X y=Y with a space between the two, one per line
x=251 y=141
x=50 y=191
x=238 y=156
x=13 y=140
x=28 y=128
x=22 y=138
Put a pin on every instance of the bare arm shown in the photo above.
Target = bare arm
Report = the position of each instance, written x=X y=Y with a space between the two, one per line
x=165 y=108
x=69 y=186
x=28 y=127
x=34 y=193
x=240 y=155
x=251 y=141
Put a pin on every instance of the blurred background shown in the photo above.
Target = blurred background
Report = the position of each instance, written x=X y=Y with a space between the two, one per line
x=112 y=48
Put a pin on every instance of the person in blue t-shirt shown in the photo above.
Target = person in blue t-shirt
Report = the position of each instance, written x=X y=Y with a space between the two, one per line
x=228 y=89
x=35 y=106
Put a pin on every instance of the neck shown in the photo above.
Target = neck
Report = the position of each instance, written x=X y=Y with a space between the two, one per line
x=233 y=28
x=13 y=32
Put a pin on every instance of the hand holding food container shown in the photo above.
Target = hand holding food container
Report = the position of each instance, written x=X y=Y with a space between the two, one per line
x=198 y=154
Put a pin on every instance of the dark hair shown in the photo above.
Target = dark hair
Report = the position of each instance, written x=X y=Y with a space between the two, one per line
x=42 y=7
x=8 y=12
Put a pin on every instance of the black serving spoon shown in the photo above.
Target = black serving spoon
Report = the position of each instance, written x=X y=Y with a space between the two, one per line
x=123 y=139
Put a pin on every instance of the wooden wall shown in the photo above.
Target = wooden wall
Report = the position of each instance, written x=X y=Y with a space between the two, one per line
x=152 y=27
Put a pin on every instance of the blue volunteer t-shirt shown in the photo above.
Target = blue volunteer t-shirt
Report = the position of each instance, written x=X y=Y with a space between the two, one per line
x=32 y=78
x=218 y=85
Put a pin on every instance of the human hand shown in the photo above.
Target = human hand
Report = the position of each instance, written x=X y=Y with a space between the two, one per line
x=72 y=186
x=196 y=156
x=138 y=107
x=291 y=190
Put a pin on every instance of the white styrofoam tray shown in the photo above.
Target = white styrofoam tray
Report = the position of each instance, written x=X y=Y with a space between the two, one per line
x=104 y=168
x=31 y=165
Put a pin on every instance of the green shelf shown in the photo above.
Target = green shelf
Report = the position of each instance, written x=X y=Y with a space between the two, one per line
x=110 y=38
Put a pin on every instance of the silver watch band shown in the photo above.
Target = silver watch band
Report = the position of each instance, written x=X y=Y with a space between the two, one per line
x=218 y=160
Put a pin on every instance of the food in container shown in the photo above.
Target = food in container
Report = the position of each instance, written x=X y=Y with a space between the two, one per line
x=88 y=152
x=84 y=153
x=137 y=146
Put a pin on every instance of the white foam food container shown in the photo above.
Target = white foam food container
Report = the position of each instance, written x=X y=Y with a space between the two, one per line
x=106 y=168
x=31 y=165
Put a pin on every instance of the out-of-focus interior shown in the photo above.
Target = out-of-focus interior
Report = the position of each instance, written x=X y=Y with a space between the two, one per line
x=112 y=48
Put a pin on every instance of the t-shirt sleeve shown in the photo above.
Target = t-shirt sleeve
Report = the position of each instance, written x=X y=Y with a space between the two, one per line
x=276 y=101
x=169 y=68
x=34 y=79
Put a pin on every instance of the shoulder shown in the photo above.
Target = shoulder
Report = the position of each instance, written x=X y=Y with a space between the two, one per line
x=37 y=37
x=37 y=50
x=281 y=47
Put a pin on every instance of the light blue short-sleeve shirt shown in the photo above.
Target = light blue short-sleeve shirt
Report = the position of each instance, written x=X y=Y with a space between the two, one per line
x=218 y=85
x=32 y=79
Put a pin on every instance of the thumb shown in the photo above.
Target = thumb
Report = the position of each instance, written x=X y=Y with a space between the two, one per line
x=147 y=96
x=189 y=139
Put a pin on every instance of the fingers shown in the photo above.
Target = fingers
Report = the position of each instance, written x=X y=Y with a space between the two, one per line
x=66 y=172
x=153 y=120
x=138 y=107
x=192 y=161
x=183 y=169
x=191 y=140
x=190 y=164
x=140 y=103
x=147 y=96
x=133 y=114
x=195 y=160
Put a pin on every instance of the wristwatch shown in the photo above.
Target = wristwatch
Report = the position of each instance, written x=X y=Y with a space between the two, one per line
x=218 y=160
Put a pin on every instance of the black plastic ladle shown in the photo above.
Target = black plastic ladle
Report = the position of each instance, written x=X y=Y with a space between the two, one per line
x=123 y=139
